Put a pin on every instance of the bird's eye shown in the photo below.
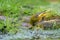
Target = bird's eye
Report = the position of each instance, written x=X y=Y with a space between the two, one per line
x=36 y=16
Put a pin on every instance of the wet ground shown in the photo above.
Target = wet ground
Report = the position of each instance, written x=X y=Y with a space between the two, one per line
x=25 y=34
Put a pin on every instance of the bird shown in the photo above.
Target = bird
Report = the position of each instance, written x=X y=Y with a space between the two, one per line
x=38 y=17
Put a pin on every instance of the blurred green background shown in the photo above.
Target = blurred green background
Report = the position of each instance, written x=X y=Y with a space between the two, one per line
x=14 y=10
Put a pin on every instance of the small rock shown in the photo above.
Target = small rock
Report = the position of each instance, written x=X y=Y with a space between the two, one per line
x=26 y=25
x=26 y=19
x=2 y=18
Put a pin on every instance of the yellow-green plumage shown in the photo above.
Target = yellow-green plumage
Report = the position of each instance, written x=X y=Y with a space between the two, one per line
x=37 y=18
